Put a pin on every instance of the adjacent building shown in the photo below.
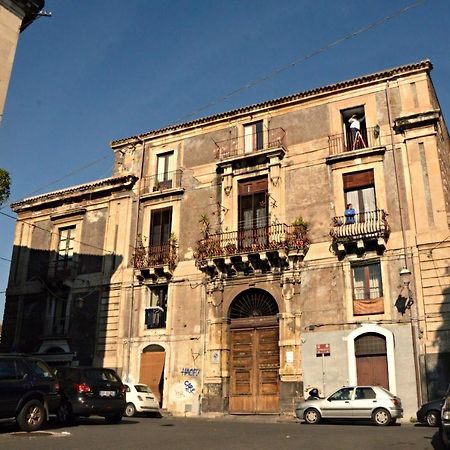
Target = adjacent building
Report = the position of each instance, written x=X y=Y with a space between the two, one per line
x=232 y=261
x=15 y=16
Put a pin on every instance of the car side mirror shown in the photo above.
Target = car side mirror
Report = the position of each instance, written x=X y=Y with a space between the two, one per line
x=329 y=399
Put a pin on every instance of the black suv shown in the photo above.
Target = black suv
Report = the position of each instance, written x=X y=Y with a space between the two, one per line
x=29 y=392
x=87 y=391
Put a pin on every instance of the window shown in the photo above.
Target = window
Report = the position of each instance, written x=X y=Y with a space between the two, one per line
x=355 y=130
x=253 y=137
x=8 y=369
x=66 y=243
x=160 y=226
x=367 y=289
x=364 y=394
x=155 y=314
x=165 y=170
x=359 y=191
x=342 y=394
x=253 y=213
x=57 y=316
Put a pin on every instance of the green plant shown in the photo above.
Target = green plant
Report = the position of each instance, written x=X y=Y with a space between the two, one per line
x=300 y=226
x=206 y=225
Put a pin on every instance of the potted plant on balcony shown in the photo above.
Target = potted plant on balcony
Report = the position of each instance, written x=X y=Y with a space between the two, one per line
x=297 y=238
x=138 y=259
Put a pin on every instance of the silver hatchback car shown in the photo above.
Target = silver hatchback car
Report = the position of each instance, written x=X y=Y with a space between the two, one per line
x=353 y=402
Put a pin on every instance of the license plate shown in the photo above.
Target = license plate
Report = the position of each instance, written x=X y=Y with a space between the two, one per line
x=107 y=393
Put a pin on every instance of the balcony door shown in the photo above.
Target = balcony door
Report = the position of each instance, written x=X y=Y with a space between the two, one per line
x=253 y=214
x=160 y=229
x=253 y=137
x=359 y=189
x=165 y=170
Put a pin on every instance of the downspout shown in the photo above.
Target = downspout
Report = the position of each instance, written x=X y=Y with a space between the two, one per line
x=132 y=284
x=408 y=263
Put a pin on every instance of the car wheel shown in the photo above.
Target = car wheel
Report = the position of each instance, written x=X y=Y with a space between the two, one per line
x=31 y=416
x=312 y=416
x=65 y=414
x=130 y=410
x=381 y=417
x=113 y=418
x=432 y=418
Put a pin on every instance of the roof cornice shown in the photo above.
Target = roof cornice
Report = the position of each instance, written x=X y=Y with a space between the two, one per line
x=408 y=69
x=96 y=187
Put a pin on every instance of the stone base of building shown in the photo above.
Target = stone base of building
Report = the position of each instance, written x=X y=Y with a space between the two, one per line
x=291 y=393
x=213 y=399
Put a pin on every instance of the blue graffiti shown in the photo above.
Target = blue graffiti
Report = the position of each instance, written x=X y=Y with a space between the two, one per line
x=189 y=387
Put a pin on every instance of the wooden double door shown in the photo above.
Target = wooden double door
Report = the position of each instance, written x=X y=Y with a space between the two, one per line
x=254 y=370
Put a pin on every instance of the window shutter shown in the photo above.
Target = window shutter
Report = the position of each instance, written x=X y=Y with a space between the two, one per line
x=358 y=179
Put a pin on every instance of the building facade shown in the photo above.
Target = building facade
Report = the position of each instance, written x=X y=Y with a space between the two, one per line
x=15 y=16
x=233 y=261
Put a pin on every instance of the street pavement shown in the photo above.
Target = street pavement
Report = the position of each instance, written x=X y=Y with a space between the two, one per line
x=229 y=432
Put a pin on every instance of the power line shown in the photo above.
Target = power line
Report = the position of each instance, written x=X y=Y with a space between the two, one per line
x=73 y=172
x=5 y=259
x=296 y=62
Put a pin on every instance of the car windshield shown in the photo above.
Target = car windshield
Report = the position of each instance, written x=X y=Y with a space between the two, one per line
x=142 y=388
x=101 y=375
x=40 y=368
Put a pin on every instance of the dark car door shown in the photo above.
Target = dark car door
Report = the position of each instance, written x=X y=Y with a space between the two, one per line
x=12 y=387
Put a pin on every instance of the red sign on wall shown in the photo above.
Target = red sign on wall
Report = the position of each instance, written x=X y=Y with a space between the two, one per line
x=322 y=349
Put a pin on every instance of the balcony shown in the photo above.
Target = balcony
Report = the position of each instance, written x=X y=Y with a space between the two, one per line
x=160 y=184
x=270 y=248
x=263 y=143
x=344 y=146
x=155 y=263
x=368 y=227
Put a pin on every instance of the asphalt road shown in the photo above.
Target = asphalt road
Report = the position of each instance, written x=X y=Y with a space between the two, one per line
x=224 y=433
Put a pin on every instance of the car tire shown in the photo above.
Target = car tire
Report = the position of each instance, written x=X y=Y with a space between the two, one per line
x=113 y=418
x=312 y=416
x=432 y=418
x=130 y=410
x=381 y=417
x=31 y=416
x=65 y=415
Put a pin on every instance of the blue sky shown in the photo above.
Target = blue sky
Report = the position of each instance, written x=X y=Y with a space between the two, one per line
x=108 y=69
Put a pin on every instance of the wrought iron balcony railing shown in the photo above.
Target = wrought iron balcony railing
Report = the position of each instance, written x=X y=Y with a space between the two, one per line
x=258 y=239
x=370 y=224
x=161 y=182
x=155 y=256
x=367 y=138
x=235 y=147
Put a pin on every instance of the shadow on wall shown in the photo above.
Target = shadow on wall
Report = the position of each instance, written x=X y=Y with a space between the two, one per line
x=54 y=304
x=438 y=363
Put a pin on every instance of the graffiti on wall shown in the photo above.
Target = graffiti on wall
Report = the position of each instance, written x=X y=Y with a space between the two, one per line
x=189 y=387
x=190 y=372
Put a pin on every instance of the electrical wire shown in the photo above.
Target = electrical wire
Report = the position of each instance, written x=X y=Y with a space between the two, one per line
x=296 y=62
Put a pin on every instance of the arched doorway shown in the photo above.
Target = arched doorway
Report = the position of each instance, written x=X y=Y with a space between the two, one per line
x=152 y=369
x=371 y=360
x=255 y=354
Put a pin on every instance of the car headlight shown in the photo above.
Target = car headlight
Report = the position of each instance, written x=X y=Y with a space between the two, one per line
x=446 y=415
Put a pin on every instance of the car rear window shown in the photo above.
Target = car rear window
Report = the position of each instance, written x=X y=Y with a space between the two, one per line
x=40 y=368
x=101 y=375
x=142 y=388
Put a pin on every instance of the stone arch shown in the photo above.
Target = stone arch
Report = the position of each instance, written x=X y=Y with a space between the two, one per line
x=252 y=303
x=390 y=348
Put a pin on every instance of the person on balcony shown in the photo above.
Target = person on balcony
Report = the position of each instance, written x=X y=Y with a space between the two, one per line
x=355 y=129
x=349 y=214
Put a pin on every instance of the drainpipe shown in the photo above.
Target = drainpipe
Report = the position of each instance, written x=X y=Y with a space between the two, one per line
x=132 y=284
x=408 y=262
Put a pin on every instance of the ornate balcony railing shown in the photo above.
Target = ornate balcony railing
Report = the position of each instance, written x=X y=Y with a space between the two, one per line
x=370 y=224
x=155 y=256
x=258 y=239
x=233 y=148
x=367 y=138
x=161 y=182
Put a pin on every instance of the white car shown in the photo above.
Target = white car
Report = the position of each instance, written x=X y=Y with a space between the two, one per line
x=353 y=402
x=140 y=399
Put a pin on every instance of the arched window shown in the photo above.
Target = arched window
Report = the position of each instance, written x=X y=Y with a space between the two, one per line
x=253 y=303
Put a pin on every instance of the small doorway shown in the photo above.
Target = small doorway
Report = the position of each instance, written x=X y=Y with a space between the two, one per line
x=152 y=370
x=255 y=354
x=371 y=360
